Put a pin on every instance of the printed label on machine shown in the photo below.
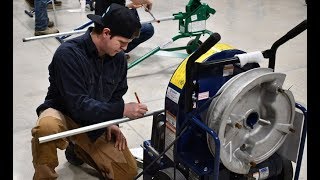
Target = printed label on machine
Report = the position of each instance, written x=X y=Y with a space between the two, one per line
x=228 y=70
x=264 y=172
x=194 y=17
x=203 y=95
x=170 y=133
x=173 y=95
x=197 y=26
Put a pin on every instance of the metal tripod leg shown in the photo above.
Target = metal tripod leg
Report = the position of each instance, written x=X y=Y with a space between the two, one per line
x=162 y=47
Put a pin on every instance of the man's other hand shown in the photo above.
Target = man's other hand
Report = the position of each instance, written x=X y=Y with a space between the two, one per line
x=120 y=140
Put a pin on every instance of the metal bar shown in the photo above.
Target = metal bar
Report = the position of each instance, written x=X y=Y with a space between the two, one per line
x=215 y=137
x=83 y=30
x=190 y=70
x=289 y=35
x=78 y=28
x=161 y=155
x=158 y=48
x=153 y=51
x=90 y=128
x=159 y=20
x=146 y=9
x=54 y=13
x=302 y=141
x=142 y=58
x=53 y=35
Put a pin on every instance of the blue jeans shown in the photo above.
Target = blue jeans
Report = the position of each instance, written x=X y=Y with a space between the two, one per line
x=41 y=14
x=146 y=32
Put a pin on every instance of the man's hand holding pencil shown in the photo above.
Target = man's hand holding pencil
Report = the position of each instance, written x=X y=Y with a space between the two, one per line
x=135 y=110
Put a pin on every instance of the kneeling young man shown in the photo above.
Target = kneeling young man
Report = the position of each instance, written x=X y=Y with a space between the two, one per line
x=88 y=78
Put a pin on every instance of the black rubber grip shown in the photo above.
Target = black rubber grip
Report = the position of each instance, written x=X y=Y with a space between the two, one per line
x=204 y=47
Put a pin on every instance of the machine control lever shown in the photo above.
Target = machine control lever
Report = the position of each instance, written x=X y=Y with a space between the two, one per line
x=190 y=70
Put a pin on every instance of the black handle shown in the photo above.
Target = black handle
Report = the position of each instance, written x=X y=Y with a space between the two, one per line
x=203 y=48
x=271 y=53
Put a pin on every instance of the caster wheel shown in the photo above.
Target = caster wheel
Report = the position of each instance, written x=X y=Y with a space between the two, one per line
x=192 y=49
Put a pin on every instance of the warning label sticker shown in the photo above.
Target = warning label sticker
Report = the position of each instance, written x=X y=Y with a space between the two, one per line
x=173 y=95
x=170 y=133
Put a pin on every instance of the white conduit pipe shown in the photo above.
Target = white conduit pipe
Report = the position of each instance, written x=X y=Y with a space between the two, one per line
x=90 y=128
x=84 y=30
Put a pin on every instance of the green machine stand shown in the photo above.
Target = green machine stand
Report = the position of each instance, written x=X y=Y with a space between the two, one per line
x=191 y=23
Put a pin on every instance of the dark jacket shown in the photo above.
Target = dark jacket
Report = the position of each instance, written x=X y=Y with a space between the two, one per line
x=85 y=87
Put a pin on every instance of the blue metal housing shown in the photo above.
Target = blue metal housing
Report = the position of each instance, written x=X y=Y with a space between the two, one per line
x=192 y=149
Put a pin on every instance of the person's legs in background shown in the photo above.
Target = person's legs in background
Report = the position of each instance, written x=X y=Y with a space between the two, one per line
x=146 y=32
x=41 y=19
x=56 y=3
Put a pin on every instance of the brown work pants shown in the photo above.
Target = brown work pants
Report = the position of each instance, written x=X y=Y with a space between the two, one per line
x=101 y=154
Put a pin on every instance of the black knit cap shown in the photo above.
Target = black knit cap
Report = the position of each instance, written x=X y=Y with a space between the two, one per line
x=119 y=19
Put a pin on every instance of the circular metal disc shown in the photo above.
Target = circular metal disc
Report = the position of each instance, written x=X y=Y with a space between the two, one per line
x=252 y=117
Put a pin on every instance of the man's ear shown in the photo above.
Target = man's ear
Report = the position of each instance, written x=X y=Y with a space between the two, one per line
x=106 y=32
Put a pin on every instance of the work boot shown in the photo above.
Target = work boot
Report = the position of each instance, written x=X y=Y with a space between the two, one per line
x=50 y=24
x=72 y=156
x=57 y=3
x=48 y=30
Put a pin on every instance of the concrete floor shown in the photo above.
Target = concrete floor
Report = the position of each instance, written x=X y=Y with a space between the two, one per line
x=245 y=24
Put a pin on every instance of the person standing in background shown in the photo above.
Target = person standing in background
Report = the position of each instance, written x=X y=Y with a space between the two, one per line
x=43 y=25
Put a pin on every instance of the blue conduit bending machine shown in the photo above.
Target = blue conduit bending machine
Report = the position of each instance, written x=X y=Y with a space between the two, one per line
x=226 y=117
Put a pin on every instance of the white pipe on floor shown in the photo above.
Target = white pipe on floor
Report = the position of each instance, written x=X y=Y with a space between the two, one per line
x=54 y=35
